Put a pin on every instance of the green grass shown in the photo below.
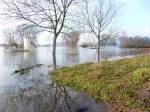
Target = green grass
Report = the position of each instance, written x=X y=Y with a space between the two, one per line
x=121 y=81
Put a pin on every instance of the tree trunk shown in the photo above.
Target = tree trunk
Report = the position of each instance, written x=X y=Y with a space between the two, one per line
x=98 y=50
x=54 y=51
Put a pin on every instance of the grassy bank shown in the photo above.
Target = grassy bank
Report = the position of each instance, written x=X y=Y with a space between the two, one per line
x=137 y=47
x=123 y=84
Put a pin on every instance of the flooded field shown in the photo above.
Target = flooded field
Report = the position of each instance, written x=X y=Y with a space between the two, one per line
x=34 y=91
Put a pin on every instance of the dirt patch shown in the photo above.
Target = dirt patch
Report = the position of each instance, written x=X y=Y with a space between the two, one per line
x=116 y=107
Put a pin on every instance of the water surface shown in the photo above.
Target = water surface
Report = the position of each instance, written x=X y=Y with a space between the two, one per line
x=34 y=91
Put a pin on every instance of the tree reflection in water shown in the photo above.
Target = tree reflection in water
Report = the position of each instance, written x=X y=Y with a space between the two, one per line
x=71 y=56
x=46 y=98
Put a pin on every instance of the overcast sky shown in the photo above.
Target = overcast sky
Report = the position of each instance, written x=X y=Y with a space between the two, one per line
x=134 y=18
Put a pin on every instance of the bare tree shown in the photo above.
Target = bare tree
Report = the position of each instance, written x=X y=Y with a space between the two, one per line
x=98 y=17
x=49 y=15
x=72 y=39
x=10 y=38
x=9 y=35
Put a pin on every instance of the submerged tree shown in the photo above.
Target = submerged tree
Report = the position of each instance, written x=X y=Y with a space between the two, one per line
x=72 y=39
x=48 y=15
x=9 y=35
x=98 y=17
x=10 y=38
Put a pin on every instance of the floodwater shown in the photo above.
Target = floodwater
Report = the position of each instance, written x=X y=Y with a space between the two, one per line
x=34 y=91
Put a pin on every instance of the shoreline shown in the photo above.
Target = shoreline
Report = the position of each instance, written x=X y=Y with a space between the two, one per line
x=118 y=83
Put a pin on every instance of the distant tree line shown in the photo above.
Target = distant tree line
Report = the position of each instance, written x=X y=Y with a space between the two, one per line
x=135 y=42
x=108 y=42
